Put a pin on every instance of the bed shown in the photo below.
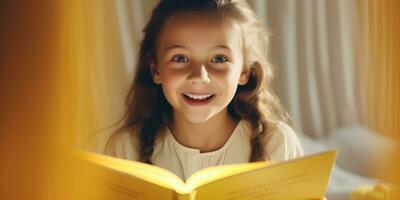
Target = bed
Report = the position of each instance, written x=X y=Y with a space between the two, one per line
x=358 y=148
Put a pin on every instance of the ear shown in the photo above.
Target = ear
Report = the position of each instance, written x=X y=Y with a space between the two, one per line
x=245 y=75
x=155 y=72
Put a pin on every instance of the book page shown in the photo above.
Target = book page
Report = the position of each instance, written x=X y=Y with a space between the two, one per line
x=106 y=186
x=141 y=180
x=210 y=174
x=303 y=178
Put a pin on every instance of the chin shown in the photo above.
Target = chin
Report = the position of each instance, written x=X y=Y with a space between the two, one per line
x=198 y=118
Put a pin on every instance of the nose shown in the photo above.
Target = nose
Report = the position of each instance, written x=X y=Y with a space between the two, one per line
x=199 y=75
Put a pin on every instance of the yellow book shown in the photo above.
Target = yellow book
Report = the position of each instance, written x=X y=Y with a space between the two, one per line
x=104 y=177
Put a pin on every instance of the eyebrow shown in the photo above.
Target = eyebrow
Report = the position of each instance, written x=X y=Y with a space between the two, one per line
x=177 y=46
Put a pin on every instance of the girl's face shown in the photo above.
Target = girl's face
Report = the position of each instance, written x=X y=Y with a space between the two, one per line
x=199 y=65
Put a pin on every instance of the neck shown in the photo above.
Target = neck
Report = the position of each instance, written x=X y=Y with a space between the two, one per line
x=206 y=136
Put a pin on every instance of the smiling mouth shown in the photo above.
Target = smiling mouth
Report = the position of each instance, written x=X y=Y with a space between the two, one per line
x=197 y=99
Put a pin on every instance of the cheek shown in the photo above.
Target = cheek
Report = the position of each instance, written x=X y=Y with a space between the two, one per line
x=170 y=83
x=233 y=80
x=172 y=78
x=166 y=76
x=232 y=76
x=228 y=82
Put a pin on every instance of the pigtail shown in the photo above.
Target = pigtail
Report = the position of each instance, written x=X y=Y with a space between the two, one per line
x=257 y=152
x=150 y=128
x=147 y=137
x=256 y=104
x=258 y=139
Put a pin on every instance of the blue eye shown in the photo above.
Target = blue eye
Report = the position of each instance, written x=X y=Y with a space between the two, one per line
x=180 y=58
x=220 y=59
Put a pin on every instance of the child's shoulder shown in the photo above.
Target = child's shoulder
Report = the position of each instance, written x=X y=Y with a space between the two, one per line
x=123 y=144
x=283 y=143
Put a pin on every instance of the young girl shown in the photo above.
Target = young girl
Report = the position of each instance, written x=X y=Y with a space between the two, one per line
x=201 y=95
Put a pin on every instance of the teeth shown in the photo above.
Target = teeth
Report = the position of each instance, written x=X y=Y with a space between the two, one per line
x=197 y=96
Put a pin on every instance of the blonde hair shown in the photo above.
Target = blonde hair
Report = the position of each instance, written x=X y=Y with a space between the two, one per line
x=254 y=102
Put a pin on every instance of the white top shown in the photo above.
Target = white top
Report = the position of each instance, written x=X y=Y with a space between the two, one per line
x=282 y=145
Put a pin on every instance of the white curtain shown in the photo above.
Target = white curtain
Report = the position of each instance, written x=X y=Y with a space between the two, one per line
x=115 y=30
x=319 y=77
x=313 y=47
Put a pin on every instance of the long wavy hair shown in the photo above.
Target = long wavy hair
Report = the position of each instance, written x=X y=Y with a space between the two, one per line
x=148 y=112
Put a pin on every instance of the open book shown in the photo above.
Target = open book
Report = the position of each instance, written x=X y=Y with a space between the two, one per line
x=112 y=178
